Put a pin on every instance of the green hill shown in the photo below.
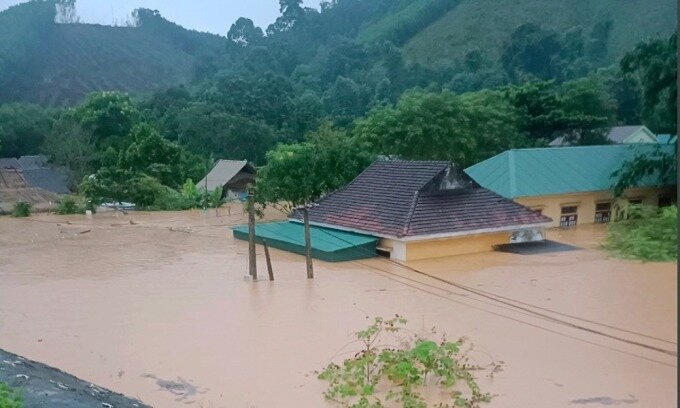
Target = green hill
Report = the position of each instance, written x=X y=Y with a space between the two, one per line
x=58 y=64
x=487 y=24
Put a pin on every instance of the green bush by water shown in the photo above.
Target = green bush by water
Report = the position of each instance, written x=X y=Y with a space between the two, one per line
x=645 y=233
x=21 y=209
x=70 y=205
x=10 y=398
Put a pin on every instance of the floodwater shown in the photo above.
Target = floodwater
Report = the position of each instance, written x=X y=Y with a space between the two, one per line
x=155 y=306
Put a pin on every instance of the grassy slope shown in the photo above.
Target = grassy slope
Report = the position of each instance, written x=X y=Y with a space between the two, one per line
x=79 y=59
x=487 y=24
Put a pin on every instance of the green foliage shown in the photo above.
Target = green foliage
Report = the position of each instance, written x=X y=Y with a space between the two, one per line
x=23 y=128
x=645 y=233
x=21 y=209
x=70 y=205
x=298 y=174
x=442 y=126
x=379 y=374
x=70 y=145
x=108 y=115
x=653 y=65
x=662 y=166
x=10 y=398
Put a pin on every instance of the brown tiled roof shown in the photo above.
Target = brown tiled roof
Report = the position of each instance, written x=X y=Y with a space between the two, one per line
x=402 y=199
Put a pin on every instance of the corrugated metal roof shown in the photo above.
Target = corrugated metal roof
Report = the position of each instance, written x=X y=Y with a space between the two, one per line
x=327 y=244
x=557 y=170
x=617 y=134
x=222 y=173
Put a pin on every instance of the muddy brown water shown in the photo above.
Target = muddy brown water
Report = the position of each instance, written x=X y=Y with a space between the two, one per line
x=155 y=306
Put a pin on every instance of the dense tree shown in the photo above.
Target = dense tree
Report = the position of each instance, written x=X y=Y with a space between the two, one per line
x=442 y=126
x=298 y=174
x=110 y=116
x=653 y=65
x=70 y=145
x=23 y=128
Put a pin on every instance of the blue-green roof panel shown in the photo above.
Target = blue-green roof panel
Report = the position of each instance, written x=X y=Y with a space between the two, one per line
x=327 y=244
x=557 y=170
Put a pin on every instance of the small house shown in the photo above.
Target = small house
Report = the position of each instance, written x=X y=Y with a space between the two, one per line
x=232 y=176
x=571 y=185
x=421 y=209
x=620 y=135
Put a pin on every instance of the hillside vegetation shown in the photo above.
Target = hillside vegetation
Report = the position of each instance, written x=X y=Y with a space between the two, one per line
x=486 y=25
x=59 y=64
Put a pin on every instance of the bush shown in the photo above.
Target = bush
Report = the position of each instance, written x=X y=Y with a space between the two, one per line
x=21 y=209
x=10 y=398
x=171 y=200
x=645 y=233
x=401 y=374
x=70 y=205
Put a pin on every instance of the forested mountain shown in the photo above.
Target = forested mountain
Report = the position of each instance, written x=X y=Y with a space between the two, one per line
x=443 y=40
x=322 y=93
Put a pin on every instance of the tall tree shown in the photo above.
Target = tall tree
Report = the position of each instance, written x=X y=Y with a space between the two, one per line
x=653 y=64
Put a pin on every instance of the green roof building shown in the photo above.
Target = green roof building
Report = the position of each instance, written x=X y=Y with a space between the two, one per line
x=571 y=185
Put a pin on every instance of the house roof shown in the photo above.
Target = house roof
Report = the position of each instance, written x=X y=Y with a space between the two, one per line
x=403 y=199
x=9 y=163
x=666 y=139
x=561 y=170
x=48 y=178
x=223 y=172
x=617 y=134
x=33 y=162
x=14 y=188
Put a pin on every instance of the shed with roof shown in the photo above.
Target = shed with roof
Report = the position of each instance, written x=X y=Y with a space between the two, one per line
x=232 y=176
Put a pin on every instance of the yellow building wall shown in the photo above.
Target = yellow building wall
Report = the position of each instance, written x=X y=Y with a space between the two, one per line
x=437 y=248
x=551 y=206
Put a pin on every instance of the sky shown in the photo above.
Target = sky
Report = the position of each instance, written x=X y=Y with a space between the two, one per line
x=215 y=16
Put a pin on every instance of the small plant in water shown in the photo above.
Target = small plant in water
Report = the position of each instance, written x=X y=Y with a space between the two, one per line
x=380 y=374
x=21 y=209
x=10 y=398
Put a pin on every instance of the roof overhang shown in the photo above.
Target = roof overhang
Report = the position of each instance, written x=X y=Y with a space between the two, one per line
x=425 y=237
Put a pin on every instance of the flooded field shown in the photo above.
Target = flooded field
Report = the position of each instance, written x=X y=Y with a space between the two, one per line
x=155 y=306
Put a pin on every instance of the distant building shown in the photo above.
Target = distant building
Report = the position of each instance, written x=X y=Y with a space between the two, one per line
x=571 y=185
x=421 y=210
x=233 y=176
x=666 y=139
x=620 y=135
x=37 y=172
x=14 y=188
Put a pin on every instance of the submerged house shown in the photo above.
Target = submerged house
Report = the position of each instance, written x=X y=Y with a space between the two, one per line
x=571 y=185
x=14 y=188
x=420 y=209
x=620 y=135
x=232 y=176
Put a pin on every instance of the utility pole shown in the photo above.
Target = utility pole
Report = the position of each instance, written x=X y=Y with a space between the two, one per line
x=269 y=261
x=252 y=260
x=308 y=244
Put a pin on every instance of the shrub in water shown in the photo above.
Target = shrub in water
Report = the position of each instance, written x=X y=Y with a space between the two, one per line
x=21 y=209
x=9 y=398
x=645 y=233
x=70 y=205
x=400 y=374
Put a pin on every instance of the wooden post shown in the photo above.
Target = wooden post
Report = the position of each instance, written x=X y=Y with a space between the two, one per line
x=308 y=245
x=269 y=261
x=252 y=260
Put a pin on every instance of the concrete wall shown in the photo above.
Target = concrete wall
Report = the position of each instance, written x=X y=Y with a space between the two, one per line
x=551 y=206
x=437 y=248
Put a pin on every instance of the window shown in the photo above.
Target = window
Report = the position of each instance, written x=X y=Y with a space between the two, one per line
x=539 y=210
x=569 y=216
x=603 y=213
x=665 y=201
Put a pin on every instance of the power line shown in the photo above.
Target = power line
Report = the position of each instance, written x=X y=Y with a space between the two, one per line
x=506 y=301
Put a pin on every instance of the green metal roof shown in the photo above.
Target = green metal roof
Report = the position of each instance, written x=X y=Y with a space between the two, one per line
x=666 y=139
x=327 y=244
x=558 y=170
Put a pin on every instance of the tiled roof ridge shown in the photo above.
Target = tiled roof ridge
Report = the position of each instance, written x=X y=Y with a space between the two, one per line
x=409 y=215
x=612 y=146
